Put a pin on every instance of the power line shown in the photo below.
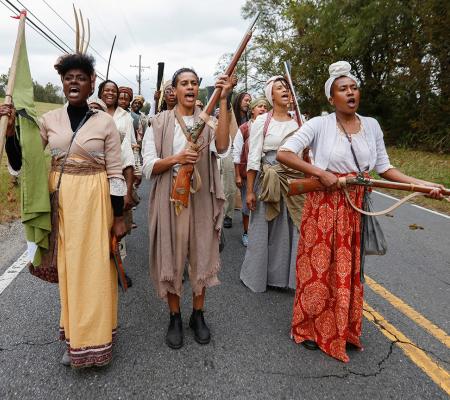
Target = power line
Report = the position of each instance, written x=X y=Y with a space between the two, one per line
x=92 y=48
x=11 y=7
x=45 y=26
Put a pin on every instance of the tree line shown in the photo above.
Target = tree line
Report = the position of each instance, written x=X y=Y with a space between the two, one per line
x=47 y=94
x=398 y=49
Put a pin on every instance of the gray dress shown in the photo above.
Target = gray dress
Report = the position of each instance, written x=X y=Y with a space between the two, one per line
x=270 y=259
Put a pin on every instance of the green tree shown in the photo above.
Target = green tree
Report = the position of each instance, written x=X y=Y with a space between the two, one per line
x=399 y=50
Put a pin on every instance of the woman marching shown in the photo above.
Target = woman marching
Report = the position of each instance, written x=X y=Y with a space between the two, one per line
x=274 y=219
x=328 y=305
x=90 y=210
x=240 y=153
x=193 y=235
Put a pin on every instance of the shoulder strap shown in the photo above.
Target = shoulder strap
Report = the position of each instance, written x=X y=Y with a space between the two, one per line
x=82 y=122
x=351 y=147
x=267 y=123
x=245 y=128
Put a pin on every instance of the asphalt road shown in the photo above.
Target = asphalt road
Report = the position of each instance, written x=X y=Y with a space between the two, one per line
x=251 y=355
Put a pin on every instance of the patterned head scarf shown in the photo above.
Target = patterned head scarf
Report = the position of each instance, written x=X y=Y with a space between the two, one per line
x=269 y=86
x=336 y=70
x=127 y=90
x=138 y=97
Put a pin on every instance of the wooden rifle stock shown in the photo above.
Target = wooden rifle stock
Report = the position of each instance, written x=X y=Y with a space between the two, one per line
x=305 y=185
x=160 y=76
x=181 y=187
x=302 y=186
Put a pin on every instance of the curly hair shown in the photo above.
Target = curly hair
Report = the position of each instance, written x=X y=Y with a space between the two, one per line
x=102 y=86
x=67 y=62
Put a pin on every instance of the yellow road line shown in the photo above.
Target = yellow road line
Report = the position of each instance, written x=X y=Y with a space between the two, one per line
x=439 y=375
x=406 y=309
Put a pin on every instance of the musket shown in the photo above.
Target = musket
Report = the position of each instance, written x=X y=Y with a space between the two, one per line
x=181 y=187
x=307 y=185
x=287 y=68
x=159 y=78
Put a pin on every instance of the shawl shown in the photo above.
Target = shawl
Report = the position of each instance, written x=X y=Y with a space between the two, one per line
x=207 y=206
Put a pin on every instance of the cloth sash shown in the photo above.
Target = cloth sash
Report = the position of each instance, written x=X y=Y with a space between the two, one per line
x=275 y=186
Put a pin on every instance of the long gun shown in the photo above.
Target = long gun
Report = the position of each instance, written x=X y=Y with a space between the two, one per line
x=287 y=68
x=181 y=187
x=307 y=185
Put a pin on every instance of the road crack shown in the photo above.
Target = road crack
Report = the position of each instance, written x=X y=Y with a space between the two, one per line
x=13 y=347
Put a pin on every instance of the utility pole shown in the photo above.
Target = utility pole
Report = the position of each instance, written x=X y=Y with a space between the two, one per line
x=139 y=76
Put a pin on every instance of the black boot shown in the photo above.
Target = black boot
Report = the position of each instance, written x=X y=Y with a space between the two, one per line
x=174 y=336
x=310 y=345
x=198 y=325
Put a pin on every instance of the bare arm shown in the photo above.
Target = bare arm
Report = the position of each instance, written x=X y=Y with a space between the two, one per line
x=223 y=127
x=291 y=160
x=184 y=157
x=251 y=197
x=393 y=174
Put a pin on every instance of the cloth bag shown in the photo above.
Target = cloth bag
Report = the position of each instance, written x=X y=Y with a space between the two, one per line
x=48 y=270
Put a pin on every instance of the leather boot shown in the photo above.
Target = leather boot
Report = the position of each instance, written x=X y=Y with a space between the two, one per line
x=174 y=336
x=198 y=325
x=66 y=361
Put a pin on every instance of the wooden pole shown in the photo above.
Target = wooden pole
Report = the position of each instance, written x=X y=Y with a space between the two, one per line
x=12 y=78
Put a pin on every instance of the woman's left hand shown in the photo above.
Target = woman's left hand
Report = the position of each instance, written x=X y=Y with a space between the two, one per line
x=435 y=193
x=226 y=84
x=119 y=228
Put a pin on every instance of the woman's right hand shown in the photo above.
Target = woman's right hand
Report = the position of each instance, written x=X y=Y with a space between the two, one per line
x=251 y=201
x=9 y=111
x=238 y=181
x=328 y=179
x=187 y=156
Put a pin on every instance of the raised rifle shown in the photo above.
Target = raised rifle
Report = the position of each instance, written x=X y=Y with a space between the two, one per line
x=298 y=115
x=307 y=185
x=181 y=187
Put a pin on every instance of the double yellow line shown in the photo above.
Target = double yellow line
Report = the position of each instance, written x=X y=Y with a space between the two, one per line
x=438 y=374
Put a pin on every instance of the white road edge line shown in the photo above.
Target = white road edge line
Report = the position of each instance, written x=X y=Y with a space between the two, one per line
x=11 y=273
x=413 y=205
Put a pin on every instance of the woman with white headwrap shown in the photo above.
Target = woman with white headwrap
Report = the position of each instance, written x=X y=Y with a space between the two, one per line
x=274 y=219
x=329 y=297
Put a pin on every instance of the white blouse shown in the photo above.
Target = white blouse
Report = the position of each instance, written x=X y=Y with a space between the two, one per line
x=327 y=145
x=124 y=123
x=341 y=159
x=180 y=142
x=258 y=145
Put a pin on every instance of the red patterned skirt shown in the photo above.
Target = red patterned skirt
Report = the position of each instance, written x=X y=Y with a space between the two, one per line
x=329 y=297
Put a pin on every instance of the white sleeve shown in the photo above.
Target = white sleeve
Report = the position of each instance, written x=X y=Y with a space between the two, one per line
x=213 y=149
x=238 y=143
x=130 y=130
x=256 y=142
x=127 y=151
x=152 y=111
x=382 y=164
x=300 y=139
x=148 y=153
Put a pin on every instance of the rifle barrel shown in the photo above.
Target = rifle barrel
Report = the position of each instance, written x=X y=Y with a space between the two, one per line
x=237 y=55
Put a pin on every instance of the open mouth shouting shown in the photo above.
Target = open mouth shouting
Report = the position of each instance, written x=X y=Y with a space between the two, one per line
x=74 y=91
x=351 y=102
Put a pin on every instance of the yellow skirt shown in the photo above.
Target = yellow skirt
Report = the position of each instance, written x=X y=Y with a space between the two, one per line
x=87 y=276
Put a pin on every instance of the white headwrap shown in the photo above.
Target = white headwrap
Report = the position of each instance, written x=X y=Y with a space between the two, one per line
x=336 y=70
x=269 y=86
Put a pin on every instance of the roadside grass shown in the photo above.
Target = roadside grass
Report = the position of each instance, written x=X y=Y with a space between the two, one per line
x=9 y=187
x=423 y=165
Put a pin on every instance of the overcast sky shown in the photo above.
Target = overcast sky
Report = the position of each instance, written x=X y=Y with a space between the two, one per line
x=180 y=33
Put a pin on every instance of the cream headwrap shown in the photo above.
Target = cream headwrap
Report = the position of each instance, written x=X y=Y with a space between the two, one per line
x=259 y=101
x=336 y=70
x=269 y=86
x=138 y=97
x=98 y=101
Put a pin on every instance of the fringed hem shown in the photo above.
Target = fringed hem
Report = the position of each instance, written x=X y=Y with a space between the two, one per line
x=91 y=356
x=167 y=286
